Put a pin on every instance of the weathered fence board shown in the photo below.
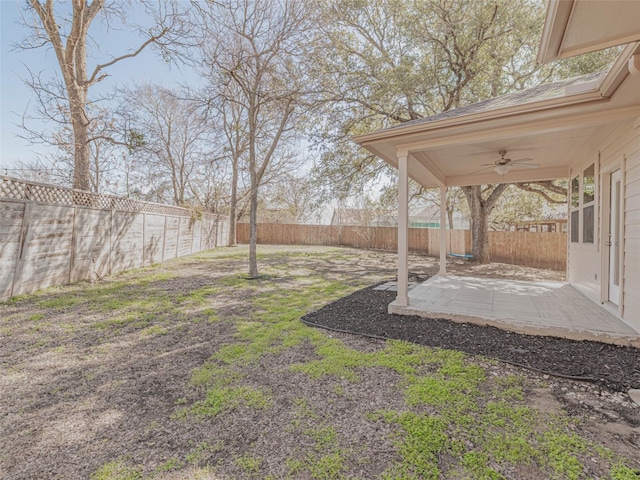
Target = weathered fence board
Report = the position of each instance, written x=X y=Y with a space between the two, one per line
x=127 y=239
x=185 y=242
x=92 y=243
x=81 y=235
x=11 y=214
x=541 y=250
x=172 y=227
x=153 y=238
x=46 y=246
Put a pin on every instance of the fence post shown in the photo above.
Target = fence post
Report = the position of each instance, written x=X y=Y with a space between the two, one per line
x=74 y=235
x=164 y=237
x=25 y=234
x=144 y=246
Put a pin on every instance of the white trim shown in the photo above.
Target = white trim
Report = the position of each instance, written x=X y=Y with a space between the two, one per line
x=513 y=176
x=443 y=231
x=527 y=127
x=618 y=71
x=533 y=107
x=605 y=220
x=430 y=166
x=554 y=33
x=623 y=223
x=556 y=21
x=402 y=298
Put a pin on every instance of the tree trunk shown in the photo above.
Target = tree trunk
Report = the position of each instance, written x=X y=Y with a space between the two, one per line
x=234 y=204
x=82 y=167
x=480 y=209
x=253 y=194
x=253 y=231
x=450 y=216
x=480 y=233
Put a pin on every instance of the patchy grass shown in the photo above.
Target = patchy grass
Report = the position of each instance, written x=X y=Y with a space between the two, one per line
x=117 y=470
x=198 y=372
x=221 y=399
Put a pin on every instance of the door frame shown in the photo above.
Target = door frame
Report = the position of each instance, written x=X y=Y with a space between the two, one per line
x=604 y=238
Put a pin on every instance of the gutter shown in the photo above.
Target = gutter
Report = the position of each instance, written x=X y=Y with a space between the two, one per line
x=592 y=95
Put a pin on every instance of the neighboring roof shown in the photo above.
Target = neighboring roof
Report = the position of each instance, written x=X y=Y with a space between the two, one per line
x=538 y=93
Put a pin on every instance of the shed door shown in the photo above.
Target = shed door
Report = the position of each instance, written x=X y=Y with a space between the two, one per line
x=614 y=237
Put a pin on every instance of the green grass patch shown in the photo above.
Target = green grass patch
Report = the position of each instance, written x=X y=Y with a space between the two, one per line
x=61 y=302
x=325 y=460
x=172 y=464
x=211 y=374
x=200 y=296
x=561 y=451
x=248 y=463
x=224 y=399
x=154 y=331
x=203 y=450
x=422 y=441
x=117 y=470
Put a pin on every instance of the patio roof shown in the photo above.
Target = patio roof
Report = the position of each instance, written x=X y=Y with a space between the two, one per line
x=573 y=27
x=554 y=124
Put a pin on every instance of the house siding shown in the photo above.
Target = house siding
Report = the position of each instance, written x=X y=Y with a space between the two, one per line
x=631 y=287
x=620 y=149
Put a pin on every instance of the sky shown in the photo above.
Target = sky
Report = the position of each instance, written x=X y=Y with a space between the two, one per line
x=16 y=97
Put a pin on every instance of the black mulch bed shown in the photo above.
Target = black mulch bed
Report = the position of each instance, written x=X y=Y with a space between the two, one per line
x=365 y=313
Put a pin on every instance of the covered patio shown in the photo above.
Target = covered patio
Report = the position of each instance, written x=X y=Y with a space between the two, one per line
x=540 y=308
x=583 y=129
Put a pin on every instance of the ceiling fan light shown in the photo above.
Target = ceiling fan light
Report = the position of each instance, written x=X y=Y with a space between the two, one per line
x=501 y=169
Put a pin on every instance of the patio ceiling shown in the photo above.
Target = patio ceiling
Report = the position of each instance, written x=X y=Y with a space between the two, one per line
x=555 y=131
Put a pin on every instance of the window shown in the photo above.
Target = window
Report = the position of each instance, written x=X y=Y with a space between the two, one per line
x=583 y=196
x=575 y=192
x=588 y=204
x=588 y=185
x=575 y=209
x=575 y=226
x=588 y=221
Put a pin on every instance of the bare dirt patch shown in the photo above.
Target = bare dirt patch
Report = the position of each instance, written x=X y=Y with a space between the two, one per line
x=120 y=379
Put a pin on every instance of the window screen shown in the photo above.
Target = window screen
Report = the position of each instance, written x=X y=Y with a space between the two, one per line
x=575 y=226
x=587 y=224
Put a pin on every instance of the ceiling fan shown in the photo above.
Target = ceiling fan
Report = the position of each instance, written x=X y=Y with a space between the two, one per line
x=503 y=165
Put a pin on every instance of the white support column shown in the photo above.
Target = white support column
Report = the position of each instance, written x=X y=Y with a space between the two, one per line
x=402 y=299
x=443 y=230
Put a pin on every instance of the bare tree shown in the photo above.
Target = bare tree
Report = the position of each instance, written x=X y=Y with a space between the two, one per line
x=176 y=138
x=233 y=119
x=294 y=197
x=66 y=100
x=257 y=47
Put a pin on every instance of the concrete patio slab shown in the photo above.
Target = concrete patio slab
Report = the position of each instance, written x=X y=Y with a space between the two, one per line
x=535 y=308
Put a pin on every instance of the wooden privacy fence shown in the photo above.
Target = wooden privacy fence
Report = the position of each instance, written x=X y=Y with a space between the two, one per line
x=51 y=235
x=541 y=250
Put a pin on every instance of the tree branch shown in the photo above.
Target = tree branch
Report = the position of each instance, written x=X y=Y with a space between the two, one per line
x=92 y=80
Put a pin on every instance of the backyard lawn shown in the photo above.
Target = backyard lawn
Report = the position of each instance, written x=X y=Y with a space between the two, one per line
x=188 y=370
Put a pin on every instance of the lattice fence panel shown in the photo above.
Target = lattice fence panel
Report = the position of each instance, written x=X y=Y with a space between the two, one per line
x=11 y=188
x=17 y=189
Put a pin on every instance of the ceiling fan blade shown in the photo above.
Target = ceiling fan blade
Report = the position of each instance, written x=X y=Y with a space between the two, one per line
x=487 y=164
x=520 y=160
x=525 y=165
x=483 y=169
